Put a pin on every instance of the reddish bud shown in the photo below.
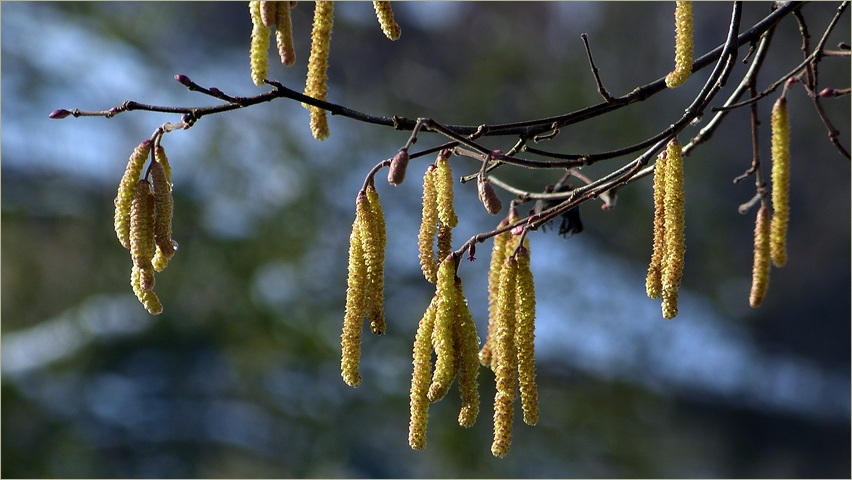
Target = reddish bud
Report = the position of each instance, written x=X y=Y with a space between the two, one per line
x=396 y=173
x=183 y=79
x=518 y=230
x=489 y=198
x=828 y=93
x=792 y=81
x=61 y=113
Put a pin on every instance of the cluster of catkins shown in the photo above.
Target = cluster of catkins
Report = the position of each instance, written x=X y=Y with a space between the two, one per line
x=447 y=328
x=268 y=15
x=143 y=220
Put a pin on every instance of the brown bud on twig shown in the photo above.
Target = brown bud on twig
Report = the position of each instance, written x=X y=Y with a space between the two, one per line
x=183 y=79
x=399 y=163
x=488 y=197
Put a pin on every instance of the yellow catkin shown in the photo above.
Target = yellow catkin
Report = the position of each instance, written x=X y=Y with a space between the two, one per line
x=467 y=346
x=269 y=13
x=525 y=336
x=498 y=256
x=163 y=208
x=445 y=240
x=148 y=298
x=419 y=403
x=446 y=365
x=316 y=85
x=654 y=280
x=385 y=15
x=504 y=359
x=284 y=34
x=675 y=246
x=356 y=290
x=760 y=267
x=684 y=45
x=780 y=182
x=374 y=256
x=444 y=187
x=142 y=233
x=126 y=189
x=259 y=45
x=428 y=227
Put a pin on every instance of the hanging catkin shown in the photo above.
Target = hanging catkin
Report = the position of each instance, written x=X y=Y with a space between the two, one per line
x=780 y=182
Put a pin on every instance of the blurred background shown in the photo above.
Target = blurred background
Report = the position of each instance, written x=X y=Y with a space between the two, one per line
x=239 y=377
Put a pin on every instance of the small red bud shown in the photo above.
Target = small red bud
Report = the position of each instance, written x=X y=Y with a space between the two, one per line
x=518 y=230
x=183 y=79
x=215 y=91
x=61 y=113
x=396 y=173
x=828 y=93
x=792 y=81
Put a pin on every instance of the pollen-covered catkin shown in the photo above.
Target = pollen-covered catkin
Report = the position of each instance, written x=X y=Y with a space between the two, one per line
x=446 y=365
x=163 y=208
x=444 y=187
x=356 y=290
x=684 y=45
x=428 y=227
x=504 y=359
x=780 y=182
x=316 y=85
x=760 y=267
x=385 y=15
x=374 y=256
x=498 y=257
x=148 y=298
x=675 y=246
x=419 y=403
x=525 y=336
x=126 y=190
x=259 y=45
x=654 y=280
x=467 y=346
x=284 y=34
x=142 y=233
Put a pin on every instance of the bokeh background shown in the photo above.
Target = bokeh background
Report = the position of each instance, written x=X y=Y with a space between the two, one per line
x=239 y=377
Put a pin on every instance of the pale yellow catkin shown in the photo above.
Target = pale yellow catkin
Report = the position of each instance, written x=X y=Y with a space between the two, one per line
x=654 y=280
x=374 y=257
x=675 y=243
x=780 y=182
x=316 y=85
x=384 y=13
x=525 y=337
x=498 y=257
x=443 y=342
x=761 y=265
x=684 y=45
x=467 y=348
x=444 y=186
x=126 y=189
x=260 y=33
x=163 y=208
x=142 y=233
x=422 y=361
x=356 y=290
x=504 y=359
x=428 y=227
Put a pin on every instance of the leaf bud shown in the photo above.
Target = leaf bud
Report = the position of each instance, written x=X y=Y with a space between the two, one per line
x=59 y=114
x=183 y=79
x=489 y=197
x=399 y=163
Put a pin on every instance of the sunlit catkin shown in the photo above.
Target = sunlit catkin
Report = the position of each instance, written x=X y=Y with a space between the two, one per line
x=374 y=256
x=684 y=44
x=316 y=85
x=385 y=15
x=504 y=359
x=780 y=182
x=148 y=298
x=525 y=336
x=428 y=227
x=498 y=257
x=443 y=342
x=444 y=187
x=259 y=45
x=419 y=403
x=126 y=189
x=356 y=290
x=142 y=233
x=760 y=267
x=654 y=280
x=467 y=346
x=284 y=34
x=675 y=246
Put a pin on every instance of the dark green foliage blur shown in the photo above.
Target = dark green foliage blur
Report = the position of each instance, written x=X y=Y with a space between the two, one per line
x=239 y=377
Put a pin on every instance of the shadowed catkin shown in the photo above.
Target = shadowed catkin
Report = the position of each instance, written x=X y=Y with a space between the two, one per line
x=163 y=208
x=684 y=45
x=675 y=246
x=385 y=15
x=525 y=336
x=259 y=45
x=467 y=347
x=374 y=256
x=780 y=182
x=760 y=267
x=504 y=359
x=654 y=280
x=446 y=365
x=356 y=290
x=126 y=189
x=284 y=34
x=142 y=233
x=269 y=13
x=428 y=227
x=316 y=85
x=498 y=257
x=419 y=403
